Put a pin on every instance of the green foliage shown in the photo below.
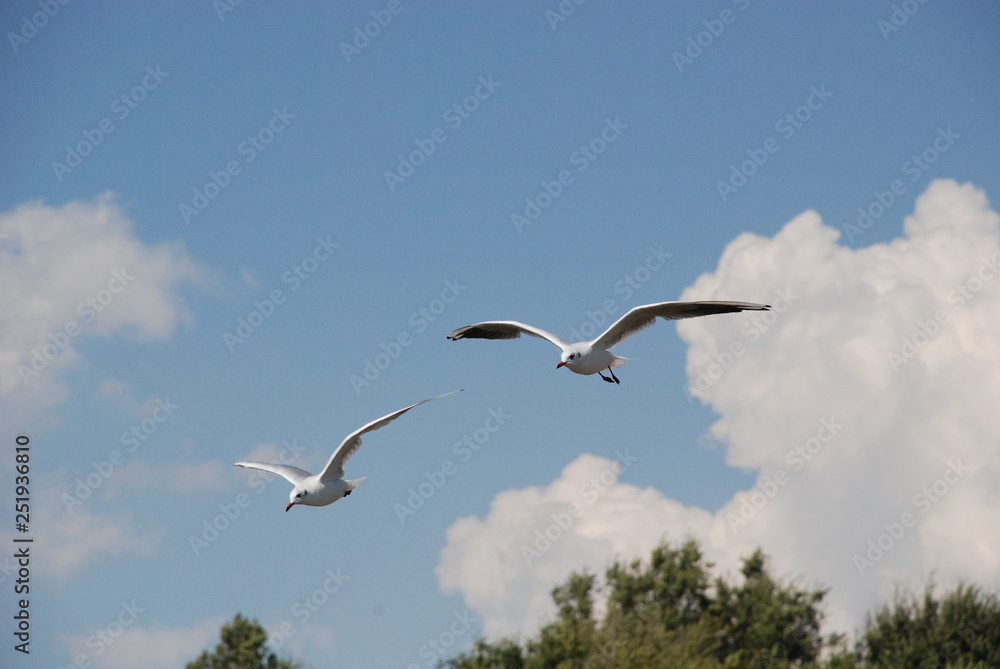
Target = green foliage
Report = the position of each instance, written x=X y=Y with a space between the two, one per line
x=960 y=630
x=243 y=646
x=765 y=624
x=666 y=613
x=504 y=654
x=670 y=614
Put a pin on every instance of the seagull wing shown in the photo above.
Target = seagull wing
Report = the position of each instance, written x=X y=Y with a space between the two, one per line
x=503 y=330
x=335 y=467
x=293 y=474
x=640 y=318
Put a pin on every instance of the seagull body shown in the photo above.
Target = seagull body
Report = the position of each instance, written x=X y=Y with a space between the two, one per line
x=594 y=356
x=329 y=485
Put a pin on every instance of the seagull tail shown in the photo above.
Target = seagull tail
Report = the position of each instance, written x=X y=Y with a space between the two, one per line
x=618 y=362
x=354 y=483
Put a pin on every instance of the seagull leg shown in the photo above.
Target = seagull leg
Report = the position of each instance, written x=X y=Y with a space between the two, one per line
x=613 y=375
x=607 y=379
x=348 y=492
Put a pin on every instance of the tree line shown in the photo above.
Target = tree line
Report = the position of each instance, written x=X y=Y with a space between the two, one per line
x=669 y=612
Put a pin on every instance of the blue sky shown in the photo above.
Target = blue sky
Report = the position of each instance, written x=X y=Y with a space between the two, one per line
x=618 y=124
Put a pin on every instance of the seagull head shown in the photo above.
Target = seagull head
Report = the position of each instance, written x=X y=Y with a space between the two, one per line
x=570 y=357
x=297 y=495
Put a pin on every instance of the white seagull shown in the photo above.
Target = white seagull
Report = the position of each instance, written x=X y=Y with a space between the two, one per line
x=594 y=356
x=329 y=485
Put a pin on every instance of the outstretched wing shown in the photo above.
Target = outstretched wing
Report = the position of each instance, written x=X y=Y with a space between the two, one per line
x=335 y=467
x=503 y=330
x=293 y=474
x=640 y=318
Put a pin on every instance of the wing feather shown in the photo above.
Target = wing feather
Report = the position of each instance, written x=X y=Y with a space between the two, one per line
x=335 y=466
x=640 y=318
x=293 y=474
x=503 y=330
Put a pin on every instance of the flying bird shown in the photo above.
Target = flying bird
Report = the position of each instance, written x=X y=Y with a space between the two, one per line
x=329 y=485
x=594 y=356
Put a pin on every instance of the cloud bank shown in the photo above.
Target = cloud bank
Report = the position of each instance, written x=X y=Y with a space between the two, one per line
x=866 y=402
x=77 y=271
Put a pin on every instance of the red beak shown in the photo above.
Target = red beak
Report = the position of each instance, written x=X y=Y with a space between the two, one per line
x=290 y=505
x=560 y=365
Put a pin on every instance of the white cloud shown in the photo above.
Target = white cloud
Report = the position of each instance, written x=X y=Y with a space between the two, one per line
x=150 y=647
x=74 y=540
x=119 y=393
x=72 y=520
x=178 y=477
x=506 y=564
x=78 y=271
x=269 y=452
x=869 y=396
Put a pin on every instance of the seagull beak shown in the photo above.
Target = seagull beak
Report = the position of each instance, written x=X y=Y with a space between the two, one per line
x=560 y=365
x=290 y=505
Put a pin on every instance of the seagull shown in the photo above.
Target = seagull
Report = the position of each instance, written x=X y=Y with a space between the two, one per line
x=594 y=356
x=329 y=485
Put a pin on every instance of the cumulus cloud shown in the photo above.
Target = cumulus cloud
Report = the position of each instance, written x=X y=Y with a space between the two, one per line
x=78 y=271
x=77 y=538
x=866 y=402
x=506 y=564
x=177 y=477
x=115 y=645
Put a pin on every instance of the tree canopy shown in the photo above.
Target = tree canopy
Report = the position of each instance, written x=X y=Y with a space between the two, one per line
x=243 y=645
x=960 y=630
x=668 y=612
